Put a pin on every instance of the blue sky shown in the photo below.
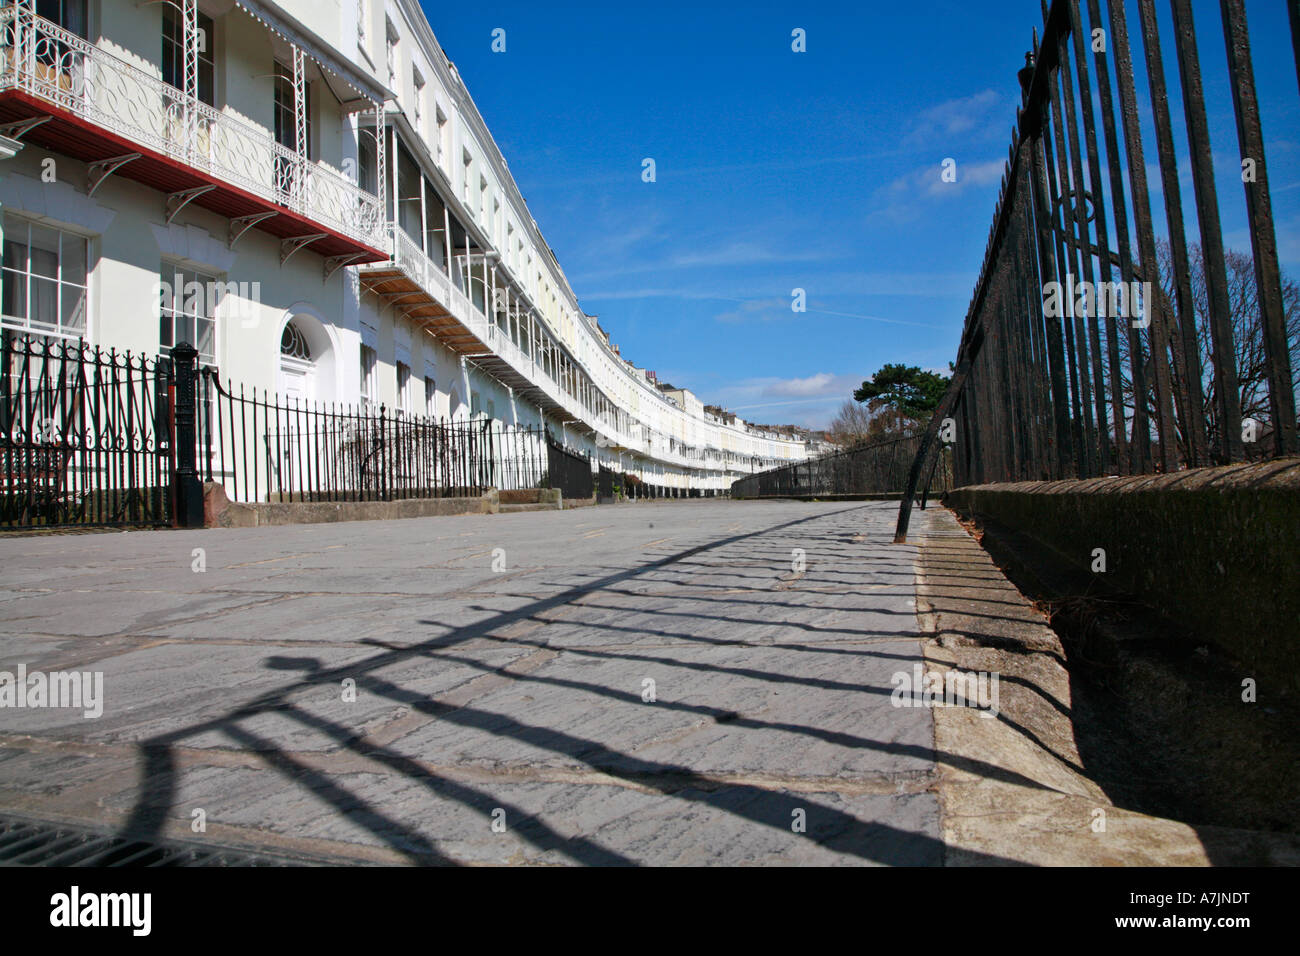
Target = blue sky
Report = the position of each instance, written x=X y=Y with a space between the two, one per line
x=779 y=170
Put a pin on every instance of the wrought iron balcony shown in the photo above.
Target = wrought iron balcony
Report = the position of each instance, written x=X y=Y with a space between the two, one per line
x=421 y=289
x=110 y=113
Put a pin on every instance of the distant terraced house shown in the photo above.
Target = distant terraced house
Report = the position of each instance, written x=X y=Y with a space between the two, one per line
x=325 y=170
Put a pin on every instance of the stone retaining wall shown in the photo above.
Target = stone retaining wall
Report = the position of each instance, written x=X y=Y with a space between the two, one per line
x=1214 y=549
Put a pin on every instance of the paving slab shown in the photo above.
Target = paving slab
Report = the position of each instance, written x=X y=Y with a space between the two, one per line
x=494 y=662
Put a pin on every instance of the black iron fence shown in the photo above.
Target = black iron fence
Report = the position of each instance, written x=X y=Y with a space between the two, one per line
x=605 y=479
x=877 y=468
x=568 y=471
x=85 y=435
x=265 y=447
x=95 y=437
x=1098 y=340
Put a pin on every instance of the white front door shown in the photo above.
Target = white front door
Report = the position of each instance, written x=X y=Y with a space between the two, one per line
x=295 y=380
x=295 y=392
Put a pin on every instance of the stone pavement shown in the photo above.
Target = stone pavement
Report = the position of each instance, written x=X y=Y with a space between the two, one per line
x=513 y=696
x=697 y=682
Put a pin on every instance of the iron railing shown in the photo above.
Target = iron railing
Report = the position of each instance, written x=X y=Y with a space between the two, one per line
x=42 y=59
x=1098 y=341
x=446 y=287
x=265 y=447
x=568 y=471
x=85 y=435
x=876 y=468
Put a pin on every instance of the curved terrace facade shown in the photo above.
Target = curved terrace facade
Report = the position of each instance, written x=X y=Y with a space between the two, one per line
x=324 y=168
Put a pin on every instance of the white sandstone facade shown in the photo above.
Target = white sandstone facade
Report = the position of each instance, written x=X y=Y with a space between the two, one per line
x=245 y=145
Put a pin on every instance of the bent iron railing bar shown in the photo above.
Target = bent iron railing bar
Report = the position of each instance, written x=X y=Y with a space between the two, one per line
x=1145 y=376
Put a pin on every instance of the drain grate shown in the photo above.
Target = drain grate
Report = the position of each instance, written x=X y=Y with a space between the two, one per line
x=25 y=842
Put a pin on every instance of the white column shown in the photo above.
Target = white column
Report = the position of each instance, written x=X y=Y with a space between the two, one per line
x=424 y=220
x=381 y=166
x=397 y=185
x=190 y=73
x=300 y=124
x=446 y=235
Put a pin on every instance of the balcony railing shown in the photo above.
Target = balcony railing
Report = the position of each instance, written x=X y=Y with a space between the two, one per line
x=50 y=63
x=427 y=274
x=431 y=277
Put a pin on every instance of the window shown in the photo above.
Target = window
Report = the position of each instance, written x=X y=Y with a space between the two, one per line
x=443 y=137
x=188 y=305
x=368 y=160
x=43 y=280
x=369 y=389
x=409 y=186
x=363 y=25
x=419 y=101
x=294 y=344
x=173 y=54
x=391 y=36
x=430 y=397
x=435 y=239
x=286 y=126
x=403 y=386
x=69 y=14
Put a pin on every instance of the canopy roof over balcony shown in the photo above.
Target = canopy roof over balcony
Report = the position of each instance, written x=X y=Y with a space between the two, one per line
x=66 y=94
x=288 y=28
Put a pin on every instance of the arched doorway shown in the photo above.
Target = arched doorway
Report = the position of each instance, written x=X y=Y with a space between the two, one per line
x=306 y=367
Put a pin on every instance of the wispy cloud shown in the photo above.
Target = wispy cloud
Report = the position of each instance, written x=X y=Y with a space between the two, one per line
x=762 y=310
x=821 y=286
x=666 y=172
x=777 y=308
x=739 y=254
x=976 y=116
x=812 y=385
x=903 y=198
x=708 y=254
x=820 y=400
x=772 y=391
x=929 y=180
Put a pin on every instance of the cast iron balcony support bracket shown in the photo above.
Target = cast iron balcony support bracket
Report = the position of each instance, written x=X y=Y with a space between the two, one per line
x=289 y=246
x=101 y=170
x=241 y=225
x=334 y=263
x=180 y=199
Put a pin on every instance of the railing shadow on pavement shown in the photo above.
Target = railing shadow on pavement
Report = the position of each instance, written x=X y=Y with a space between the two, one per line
x=843 y=832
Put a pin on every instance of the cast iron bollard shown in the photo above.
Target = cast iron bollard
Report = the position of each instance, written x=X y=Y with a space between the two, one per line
x=189 y=490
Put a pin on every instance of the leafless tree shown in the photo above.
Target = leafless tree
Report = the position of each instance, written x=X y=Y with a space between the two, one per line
x=857 y=423
x=1247 y=339
x=850 y=426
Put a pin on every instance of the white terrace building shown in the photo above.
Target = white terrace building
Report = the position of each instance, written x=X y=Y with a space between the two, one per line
x=245 y=145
